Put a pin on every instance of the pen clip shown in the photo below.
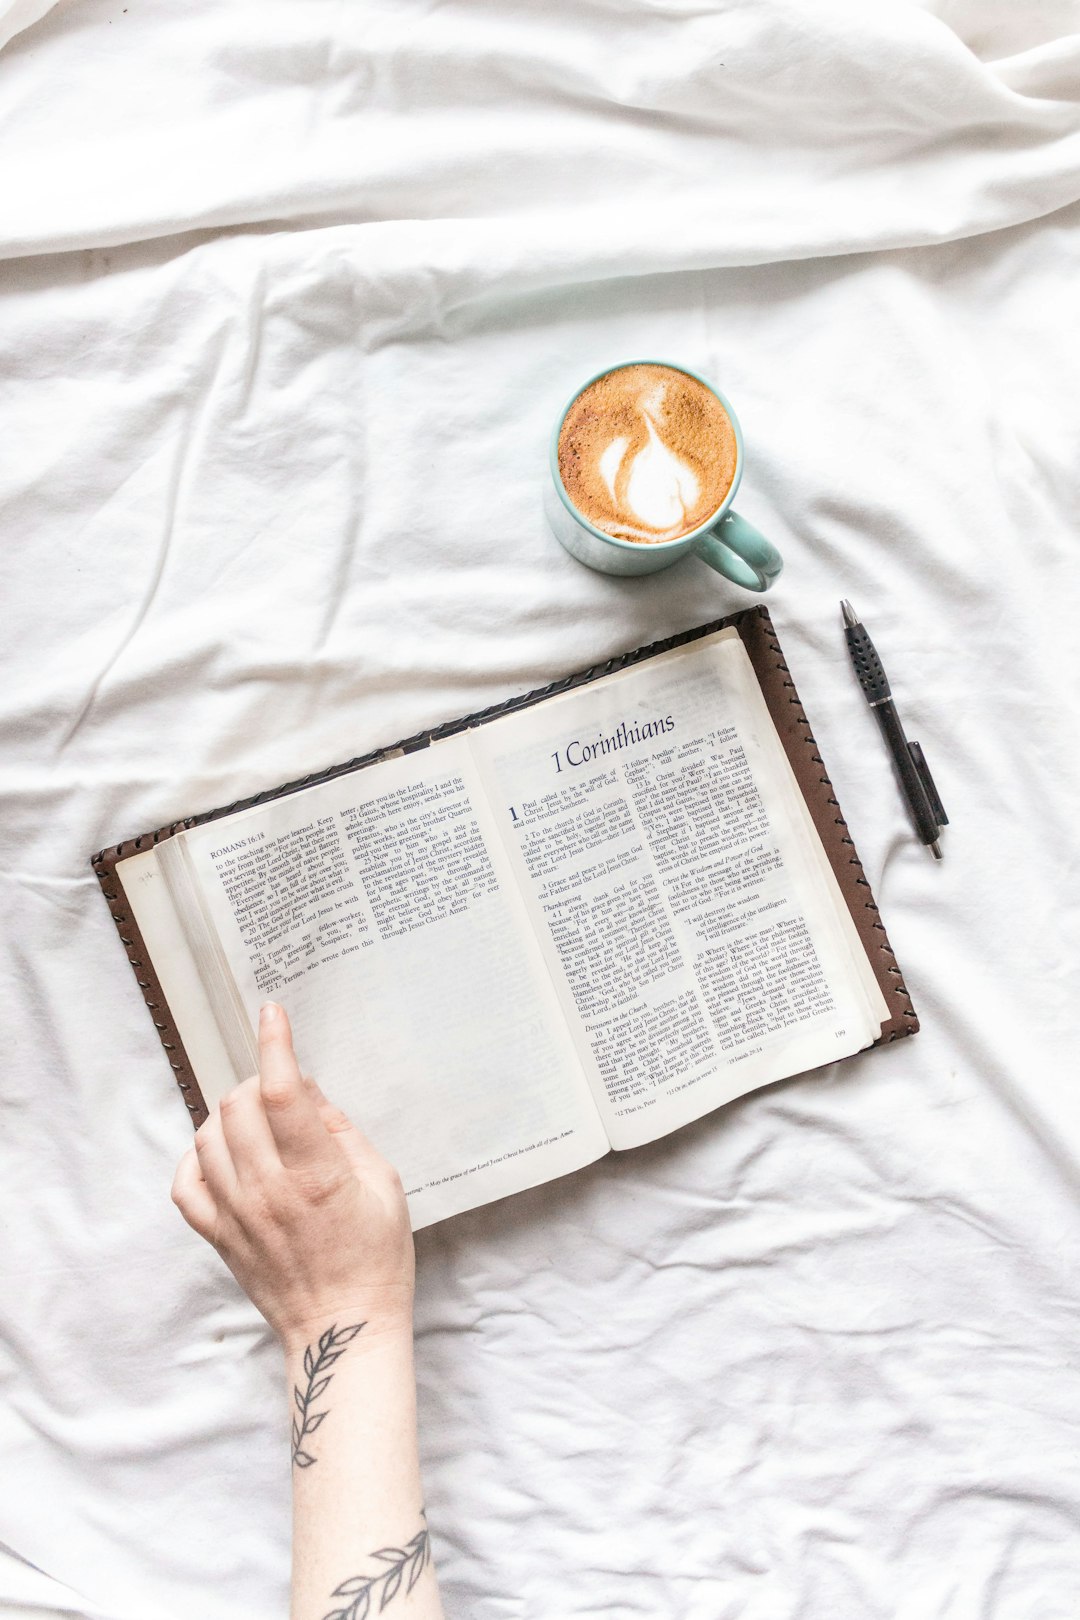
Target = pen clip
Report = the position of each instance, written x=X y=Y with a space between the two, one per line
x=918 y=759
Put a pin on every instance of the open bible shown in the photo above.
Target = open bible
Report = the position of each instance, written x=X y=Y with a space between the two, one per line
x=569 y=924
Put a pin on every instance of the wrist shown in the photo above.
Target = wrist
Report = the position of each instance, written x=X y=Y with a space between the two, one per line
x=376 y=1314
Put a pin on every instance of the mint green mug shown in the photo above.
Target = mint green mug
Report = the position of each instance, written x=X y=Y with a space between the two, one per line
x=725 y=540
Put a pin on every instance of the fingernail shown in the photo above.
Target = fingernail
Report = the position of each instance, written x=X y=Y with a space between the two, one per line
x=268 y=1014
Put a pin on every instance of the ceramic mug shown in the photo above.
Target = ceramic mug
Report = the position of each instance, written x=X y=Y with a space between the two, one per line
x=725 y=540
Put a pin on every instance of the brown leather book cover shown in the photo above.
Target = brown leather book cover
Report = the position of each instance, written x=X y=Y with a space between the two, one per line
x=755 y=627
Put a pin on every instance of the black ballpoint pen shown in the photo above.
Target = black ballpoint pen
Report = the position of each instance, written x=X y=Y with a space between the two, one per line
x=927 y=810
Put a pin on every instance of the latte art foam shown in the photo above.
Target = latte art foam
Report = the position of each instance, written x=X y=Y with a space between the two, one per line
x=647 y=453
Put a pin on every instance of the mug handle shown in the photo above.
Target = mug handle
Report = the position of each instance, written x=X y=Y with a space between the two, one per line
x=740 y=552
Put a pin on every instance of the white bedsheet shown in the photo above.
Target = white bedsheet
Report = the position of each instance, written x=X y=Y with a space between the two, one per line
x=289 y=295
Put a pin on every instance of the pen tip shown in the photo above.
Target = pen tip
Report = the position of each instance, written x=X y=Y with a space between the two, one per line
x=935 y=849
x=851 y=618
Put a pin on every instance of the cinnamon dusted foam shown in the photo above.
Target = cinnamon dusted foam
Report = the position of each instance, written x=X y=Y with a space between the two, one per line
x=647 y=453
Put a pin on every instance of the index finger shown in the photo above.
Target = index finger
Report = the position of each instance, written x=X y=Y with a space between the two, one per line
x=290 y=1111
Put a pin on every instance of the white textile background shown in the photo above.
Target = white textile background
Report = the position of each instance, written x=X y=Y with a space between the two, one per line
x=289 y=295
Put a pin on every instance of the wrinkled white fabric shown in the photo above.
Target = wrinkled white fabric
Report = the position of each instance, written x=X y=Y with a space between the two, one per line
x=290 y=294
x=15 y=15
x=30 y=1594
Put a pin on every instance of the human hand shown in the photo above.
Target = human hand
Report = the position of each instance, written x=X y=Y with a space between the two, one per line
x=309 y=1218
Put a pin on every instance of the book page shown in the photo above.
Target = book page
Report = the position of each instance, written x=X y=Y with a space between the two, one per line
x=688 y=912
x=379 y=909
x=151 y=904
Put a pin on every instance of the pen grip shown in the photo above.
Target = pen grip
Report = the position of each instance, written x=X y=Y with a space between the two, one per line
x=915 y=793
x=868 y=668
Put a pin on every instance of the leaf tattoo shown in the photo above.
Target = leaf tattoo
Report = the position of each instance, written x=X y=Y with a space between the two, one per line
x=331 y=1348
x=403 y=1564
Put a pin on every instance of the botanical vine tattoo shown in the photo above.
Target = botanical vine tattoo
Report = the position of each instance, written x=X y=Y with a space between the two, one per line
x=331 y=1348
x=402 y=1564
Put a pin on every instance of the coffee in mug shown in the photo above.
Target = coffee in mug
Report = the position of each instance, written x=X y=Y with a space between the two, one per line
x=647 y=453
x=645 y=462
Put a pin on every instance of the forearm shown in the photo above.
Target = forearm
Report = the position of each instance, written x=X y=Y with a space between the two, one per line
x=313 y=1223
x=358 y=1519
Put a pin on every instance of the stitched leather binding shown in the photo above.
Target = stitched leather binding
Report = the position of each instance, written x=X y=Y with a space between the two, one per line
x=790 y=720
x=756 y=629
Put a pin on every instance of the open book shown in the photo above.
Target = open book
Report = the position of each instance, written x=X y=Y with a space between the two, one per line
x=571 y=926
